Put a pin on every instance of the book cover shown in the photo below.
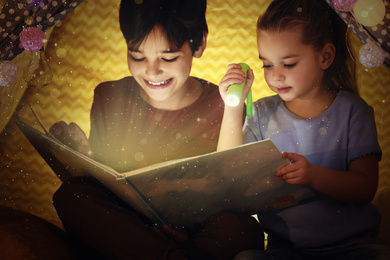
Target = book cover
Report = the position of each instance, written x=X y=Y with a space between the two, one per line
x=183 y=192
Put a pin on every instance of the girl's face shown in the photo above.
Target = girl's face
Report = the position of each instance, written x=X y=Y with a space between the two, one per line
x=291 y=69
x=162 y=73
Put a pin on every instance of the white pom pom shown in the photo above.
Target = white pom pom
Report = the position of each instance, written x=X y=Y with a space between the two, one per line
x=372 y=55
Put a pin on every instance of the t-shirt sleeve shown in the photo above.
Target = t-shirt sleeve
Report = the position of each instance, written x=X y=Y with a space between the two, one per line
x=251 y=127
x=362 y=133
x=96 y=123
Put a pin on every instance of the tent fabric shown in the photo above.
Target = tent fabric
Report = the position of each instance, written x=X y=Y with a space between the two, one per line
x=86 y=47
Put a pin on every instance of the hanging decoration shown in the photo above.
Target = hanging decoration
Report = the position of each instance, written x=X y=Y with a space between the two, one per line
x=369 y=12
x=344 y=5
x=8 y=73
x=369 y=20
x=15 y=16
x=32 y=39
x=371 y=55
x=38 y=72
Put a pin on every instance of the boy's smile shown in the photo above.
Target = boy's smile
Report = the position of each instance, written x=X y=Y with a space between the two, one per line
x=162 y=71
x=159 y=85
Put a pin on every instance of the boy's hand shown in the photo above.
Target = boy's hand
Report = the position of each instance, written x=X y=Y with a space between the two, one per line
x=298 y=172
x=72 y=136
x=235 y=75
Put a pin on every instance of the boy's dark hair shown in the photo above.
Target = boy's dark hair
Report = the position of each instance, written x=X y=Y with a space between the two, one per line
x=181 y=20
x=319 y=25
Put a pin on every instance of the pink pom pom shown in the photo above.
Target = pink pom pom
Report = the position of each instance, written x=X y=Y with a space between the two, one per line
x=344 y=5
x=32 y=39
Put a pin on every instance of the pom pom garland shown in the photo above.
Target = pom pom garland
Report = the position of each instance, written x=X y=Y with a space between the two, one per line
x=371 y=55
x=32 y=39
x=344 y=5
x=369 y=12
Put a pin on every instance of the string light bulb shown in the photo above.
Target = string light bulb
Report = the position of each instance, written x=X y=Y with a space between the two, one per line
x=369 y=12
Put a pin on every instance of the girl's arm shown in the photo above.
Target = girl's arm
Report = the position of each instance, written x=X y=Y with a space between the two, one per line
x=357 y=184
x=231 y=126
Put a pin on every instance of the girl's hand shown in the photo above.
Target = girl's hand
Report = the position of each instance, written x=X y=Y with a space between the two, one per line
x=362 y=177
x=298 y=172
x=235 y=75
x=72 y=136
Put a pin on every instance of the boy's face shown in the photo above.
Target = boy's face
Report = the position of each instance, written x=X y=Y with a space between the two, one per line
x=291 y=69
x=162 y=73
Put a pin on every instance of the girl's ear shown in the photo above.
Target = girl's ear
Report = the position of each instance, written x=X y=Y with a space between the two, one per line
x=199 y=52
x=328 y=54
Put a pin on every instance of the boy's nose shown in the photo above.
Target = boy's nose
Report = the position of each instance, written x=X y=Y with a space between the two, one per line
x=153 y=69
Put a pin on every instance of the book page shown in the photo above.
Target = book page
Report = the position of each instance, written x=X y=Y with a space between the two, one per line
x=183 y=192
x=241 y=179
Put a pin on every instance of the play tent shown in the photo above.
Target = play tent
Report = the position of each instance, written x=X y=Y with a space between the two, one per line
x=84 y=47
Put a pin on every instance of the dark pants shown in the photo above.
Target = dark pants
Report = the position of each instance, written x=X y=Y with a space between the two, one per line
x=351 y=252
x=93 y=214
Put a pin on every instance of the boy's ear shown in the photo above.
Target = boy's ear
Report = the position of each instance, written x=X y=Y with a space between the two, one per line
x=202 y=46
x=328 y=54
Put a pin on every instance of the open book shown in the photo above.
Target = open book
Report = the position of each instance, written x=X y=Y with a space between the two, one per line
x=182 y=192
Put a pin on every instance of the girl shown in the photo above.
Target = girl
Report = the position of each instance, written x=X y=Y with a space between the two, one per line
x=324 y=128
x=158 y=114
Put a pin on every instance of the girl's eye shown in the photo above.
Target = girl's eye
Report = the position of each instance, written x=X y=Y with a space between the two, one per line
x=136 y=59
x=170 y=60
x=290 y=65
x=267 y=66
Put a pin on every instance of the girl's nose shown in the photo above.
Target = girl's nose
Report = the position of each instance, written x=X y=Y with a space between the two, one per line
x=277 y=74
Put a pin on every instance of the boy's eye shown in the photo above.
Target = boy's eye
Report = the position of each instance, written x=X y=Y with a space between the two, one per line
x=290 y=65
x=169 y=60
x=136 y=59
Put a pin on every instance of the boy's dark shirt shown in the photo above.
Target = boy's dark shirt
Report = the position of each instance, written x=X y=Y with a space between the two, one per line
x=127 y=133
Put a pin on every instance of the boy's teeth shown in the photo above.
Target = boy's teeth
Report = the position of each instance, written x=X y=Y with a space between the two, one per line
x=159 y=83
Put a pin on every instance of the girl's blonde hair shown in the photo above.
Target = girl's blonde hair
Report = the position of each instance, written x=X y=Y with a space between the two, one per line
x=319 y=25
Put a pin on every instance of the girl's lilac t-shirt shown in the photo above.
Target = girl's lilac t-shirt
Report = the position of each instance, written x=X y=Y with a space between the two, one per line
x=344 y=132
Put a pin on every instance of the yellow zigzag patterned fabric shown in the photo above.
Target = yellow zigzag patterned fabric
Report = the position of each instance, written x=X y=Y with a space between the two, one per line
x=87 y=47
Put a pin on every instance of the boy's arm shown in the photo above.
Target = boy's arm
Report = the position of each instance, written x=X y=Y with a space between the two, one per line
x=231 y=127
